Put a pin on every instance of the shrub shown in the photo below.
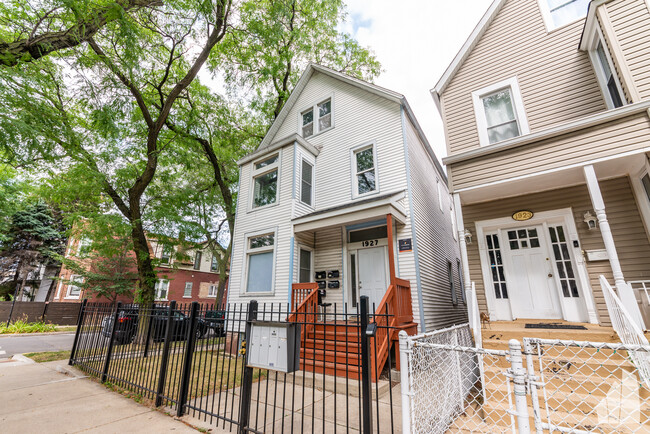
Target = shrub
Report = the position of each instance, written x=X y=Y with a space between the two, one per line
x=22 y=326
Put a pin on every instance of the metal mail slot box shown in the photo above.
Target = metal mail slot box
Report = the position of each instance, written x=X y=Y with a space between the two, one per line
x=274 y=346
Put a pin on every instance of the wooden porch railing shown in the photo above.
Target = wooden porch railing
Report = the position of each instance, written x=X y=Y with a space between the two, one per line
x=304 y=305
x=394 y=310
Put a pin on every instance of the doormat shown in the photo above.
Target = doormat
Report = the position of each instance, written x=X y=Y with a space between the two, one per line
x=555 y=326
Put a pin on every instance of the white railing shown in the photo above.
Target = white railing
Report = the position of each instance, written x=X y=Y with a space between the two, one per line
x=474 y=316
x=641 y=285
x=628 y=331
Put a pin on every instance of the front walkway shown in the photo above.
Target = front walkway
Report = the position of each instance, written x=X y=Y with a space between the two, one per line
x=51 y=397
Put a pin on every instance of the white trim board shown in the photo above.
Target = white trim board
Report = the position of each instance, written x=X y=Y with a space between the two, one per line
x=563 y=216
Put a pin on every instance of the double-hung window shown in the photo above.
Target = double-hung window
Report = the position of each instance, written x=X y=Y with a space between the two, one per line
x=85 y=247
x=187 y=293
x=499 y=111
x=212 y=290
x=162 y=289
x=165 y=257
x=558 y=13
x=74 y=288
x=317 y=118
x=606 y=76
x=259 y=255
x=306 y=182
x=265 y=181
x=197 y=260
x=364 y=166
x=214 y=265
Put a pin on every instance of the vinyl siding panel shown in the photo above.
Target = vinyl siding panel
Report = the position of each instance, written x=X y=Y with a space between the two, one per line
x=359 y=117
x=605 y=140
x=557 y=81
x=435 y=241
x=328 y=256
x=623 y=215
x=272 y=218
x=630 y=20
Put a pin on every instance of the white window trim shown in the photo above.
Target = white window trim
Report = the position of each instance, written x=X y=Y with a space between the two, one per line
x=216 y=289
x=312 y=163
x=70 y=284
x=171 y=255
x=594 y=38
x=353 y=169
x=248 y=251
x=185 y=288
x=314 y=107
x=255 y=173
x=304 y=247
x=83 y=242
x=548 y=19
x=642 y=199
x=166 y=295
x=479 y=111
x=439 y=191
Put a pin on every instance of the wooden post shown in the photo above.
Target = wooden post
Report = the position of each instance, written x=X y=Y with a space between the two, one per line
x=391 y=248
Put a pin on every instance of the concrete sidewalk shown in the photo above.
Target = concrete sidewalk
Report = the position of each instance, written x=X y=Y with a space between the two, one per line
x=53 y=398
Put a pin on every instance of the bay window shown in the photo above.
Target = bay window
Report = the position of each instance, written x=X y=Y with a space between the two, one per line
x=265 y=181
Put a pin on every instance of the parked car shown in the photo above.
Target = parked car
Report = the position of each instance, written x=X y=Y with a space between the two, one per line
x=127 y=325
x=216 y=320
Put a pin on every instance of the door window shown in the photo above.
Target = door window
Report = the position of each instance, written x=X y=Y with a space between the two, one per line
x=496 y=266
x=563 y=262
x=523 y=239
x=305 y=266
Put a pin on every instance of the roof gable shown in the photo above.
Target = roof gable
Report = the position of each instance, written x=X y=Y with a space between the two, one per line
x=466 y=49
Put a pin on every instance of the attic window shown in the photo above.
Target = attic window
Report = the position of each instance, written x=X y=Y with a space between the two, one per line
x=316 y=119
x=558 y=13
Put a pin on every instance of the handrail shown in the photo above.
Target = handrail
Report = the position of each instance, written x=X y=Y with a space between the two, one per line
x=627 y=329
x=306 y=296
x=299 y=291
x=474 y=316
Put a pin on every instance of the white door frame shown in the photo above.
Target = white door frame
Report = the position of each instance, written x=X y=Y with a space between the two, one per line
x=353 y=248
x=563 y=216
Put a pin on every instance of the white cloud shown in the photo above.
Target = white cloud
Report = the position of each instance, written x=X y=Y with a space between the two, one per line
x=415 y=41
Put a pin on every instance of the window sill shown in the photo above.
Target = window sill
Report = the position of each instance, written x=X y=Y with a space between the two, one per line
x=258 y=294
x=187 y=296
x=318 y=133
x=71 y=298
x=364 y=195
x=258 y=208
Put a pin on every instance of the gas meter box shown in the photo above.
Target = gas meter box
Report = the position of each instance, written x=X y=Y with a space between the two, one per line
x=274 y=346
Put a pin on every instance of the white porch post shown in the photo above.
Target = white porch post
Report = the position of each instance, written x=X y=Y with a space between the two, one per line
x=624 y=291
x=460 y=226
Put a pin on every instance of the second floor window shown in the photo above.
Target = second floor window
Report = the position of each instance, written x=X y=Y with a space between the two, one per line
x=558 y=13
x=317 y=119
x=212 y=290
x=162 y=289
x=214 y=266
x=74 y=288
x=499 y=111
x=365 y=174
x=306 y=182
x=166 y=256
x=197 y=260
x=265 y=181
x=607 y=77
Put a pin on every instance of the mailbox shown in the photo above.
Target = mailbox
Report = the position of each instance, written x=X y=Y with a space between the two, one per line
x=322 y=284
x=321 y=275
x=333 y=284
x=333 y=274
x=274 y=346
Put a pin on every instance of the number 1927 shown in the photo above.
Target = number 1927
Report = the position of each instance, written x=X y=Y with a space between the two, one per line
x=370 y=243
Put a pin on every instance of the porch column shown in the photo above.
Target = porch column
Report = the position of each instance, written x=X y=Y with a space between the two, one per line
x=460 y=226
x=391 y=248
x=624 y=290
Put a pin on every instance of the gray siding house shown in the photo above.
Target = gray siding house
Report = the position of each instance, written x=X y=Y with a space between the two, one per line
x=343 y=180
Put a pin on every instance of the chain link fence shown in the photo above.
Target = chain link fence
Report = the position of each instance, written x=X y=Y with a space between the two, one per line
x=450 y=385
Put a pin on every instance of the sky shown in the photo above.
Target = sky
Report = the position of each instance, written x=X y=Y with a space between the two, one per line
x=415 y=41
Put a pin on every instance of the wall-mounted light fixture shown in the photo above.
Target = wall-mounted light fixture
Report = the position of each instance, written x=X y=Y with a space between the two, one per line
x=591 y=220
x=468 y=236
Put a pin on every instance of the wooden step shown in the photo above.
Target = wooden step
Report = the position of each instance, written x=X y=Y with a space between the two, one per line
x=339 y=346
x=349 y=336
x=331 y=356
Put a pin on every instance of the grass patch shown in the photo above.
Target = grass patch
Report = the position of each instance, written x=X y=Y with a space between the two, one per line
x=48 y=356
x=21 y=326
x=66 y=329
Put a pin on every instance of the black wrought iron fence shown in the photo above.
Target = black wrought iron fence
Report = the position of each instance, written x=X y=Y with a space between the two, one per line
x=191 y=358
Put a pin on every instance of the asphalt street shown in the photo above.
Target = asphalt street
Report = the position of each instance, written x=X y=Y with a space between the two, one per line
x=19 y=344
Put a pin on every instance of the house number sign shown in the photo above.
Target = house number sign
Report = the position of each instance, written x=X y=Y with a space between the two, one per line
x=370 y=243
x=523 y=215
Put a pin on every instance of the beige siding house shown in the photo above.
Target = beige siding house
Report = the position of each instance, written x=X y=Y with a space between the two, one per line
x=343 y=179
x=546 y=115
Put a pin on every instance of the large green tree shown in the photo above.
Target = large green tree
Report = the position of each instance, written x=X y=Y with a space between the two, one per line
x=98 y=109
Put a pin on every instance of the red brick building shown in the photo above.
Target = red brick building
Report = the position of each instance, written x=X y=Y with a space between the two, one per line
x=190 y=276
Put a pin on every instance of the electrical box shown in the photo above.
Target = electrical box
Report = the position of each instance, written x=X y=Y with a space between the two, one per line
x=274 y=346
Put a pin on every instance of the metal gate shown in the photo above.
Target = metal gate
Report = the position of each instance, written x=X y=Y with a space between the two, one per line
x=448 y=385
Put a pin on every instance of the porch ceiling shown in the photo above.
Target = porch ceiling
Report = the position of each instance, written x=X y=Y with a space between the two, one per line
x=574 y=175
x=354 y=212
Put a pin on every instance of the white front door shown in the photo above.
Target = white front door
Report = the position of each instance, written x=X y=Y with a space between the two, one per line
x=372 y=274
x=533 y=292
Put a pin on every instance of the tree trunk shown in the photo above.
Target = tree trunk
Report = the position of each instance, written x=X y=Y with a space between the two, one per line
x=223 y=274
x=146 y=273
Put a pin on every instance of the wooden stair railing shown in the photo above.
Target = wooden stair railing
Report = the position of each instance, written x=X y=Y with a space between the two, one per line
x=304 y=306
x=394 y=312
